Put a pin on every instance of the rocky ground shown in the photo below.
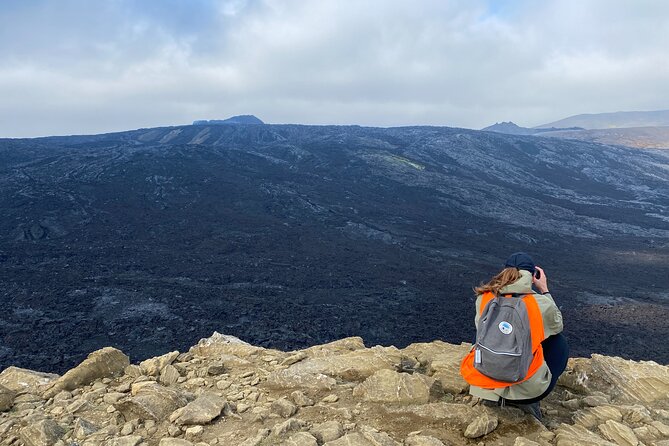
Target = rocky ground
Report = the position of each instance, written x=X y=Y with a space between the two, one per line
x=226 y=392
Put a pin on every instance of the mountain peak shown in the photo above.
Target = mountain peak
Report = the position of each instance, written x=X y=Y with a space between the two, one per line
x=239 y=119
x=508 y=128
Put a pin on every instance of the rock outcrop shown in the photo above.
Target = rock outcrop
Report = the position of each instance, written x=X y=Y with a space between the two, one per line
x=227 y=392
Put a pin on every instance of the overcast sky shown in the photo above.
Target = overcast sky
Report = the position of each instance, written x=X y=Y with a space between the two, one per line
x=92 y=66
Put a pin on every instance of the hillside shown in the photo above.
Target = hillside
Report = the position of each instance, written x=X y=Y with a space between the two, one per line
x=622 y=119
x=223 y=391
x=290 y=236
x=639 y=137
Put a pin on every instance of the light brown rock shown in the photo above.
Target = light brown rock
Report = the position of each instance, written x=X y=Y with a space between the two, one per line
x=327 y=431
x=301 y=439
x=300 y=399
x=283 y=407
x=153 y=366
x=595 y=400
x=83 y=428
x=257 y=439
x=202 y=410
x=291 y=379
x=452 y=414
x=594 y=416
x=151 y=402
x=522 y=441
x=290 y=425
x=292 y=359
x=336 y=347
x=351 y=366
x=636 y=415
x=6 y=398
x=377 y=438
x=127 y=440
x=626 y=381
x=482 y=425
x=104 y=363
x=174 y=442
x=618 y=433
x=169 y=375
x=21 y=380
x=45 y=432
x=352 y=439
x=576 y=435
x=422 y=440
x=218 y=344
x=387 y=386
x=662 y=428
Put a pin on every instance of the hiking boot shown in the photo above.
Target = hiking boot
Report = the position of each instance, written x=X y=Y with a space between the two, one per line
x=533 y=409
x=489 y=403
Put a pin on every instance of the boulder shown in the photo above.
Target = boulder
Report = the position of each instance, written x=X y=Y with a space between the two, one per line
x=283 y=407
x=350 y=366
x=328 y=431
x=336 y=347
x=482 y=425
x=626 y=381
x=6 y=398
x=153 y=366
x=289 y=379
x=594 y=416
x=575 y=435
x=104 y=363
x=301 y=439
x=290 y=425
x=202 y=410
x=21 y=380
x=445 y=368
x=387 y=386
x=151 y=402
x=218 y=344
x=169 y=375
x=300 y=399
x=83 y=428
x=45 y=432
x=618 y=433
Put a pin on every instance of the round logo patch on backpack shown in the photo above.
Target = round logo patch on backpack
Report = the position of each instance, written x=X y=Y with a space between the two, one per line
x=505 y=327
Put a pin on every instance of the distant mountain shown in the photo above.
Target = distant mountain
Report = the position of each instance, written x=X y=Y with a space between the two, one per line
x=510 y=128
x=613 y=120
x=240 y=119
x=637 y=137
x=295 y=235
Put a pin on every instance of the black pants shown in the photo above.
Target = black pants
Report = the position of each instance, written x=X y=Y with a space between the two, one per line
x=556 y=354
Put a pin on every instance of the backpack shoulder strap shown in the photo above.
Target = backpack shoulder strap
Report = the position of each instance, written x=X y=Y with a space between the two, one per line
x=536 y=321
x=485 y=300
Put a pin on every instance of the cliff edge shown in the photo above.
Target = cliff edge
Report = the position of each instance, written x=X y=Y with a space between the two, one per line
x=224 y=391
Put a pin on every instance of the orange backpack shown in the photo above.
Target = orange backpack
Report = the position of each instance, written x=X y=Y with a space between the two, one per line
x=468 y=368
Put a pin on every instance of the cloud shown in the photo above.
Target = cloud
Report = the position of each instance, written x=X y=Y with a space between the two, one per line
x=85 y=67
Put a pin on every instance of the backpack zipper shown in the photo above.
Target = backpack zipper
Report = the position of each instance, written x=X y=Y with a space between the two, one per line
x=499 y=353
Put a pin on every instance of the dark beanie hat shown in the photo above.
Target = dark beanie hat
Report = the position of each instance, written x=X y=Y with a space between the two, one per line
x=520 y=260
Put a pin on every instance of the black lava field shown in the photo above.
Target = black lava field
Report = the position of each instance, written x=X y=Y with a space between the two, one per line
x=287 y=236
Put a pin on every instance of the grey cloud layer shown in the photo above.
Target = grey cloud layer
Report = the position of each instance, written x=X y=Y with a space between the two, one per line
x=85 y=67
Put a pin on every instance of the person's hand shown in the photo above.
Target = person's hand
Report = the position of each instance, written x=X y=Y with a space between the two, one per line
x=541 y=283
